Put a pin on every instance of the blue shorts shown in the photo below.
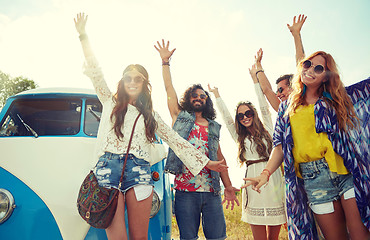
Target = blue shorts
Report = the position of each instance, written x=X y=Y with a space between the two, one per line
x=108 y=171
x=324 y=186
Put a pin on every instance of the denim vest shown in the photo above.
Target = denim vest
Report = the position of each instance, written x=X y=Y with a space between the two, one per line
x=183 y=126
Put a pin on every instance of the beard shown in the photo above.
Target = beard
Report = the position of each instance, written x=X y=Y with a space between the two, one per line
x=198 y=108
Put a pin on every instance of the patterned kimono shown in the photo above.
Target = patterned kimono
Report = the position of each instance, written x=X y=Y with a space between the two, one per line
x=353 y=146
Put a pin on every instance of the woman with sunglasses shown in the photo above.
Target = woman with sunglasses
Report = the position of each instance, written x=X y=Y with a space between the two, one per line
x=132 y=99
x=322 y=134
x=264 y=212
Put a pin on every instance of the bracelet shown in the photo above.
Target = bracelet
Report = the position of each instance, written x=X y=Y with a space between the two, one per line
x=259 y=71
x=82 y=36
x=268 y=173
x=165 y=63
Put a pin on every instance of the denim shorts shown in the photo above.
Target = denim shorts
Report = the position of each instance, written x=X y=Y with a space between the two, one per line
x=190 y=207
x=324 y=186
x=108 y=171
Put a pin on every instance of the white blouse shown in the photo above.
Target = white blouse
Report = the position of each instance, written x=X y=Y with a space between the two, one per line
x=250 y=147
x=107 y=141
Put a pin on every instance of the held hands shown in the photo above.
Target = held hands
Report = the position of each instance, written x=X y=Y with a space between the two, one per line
x=163 y=50
x=80 y=23
x=296 y=26
x=218 y=166
x=256 y=182
x=214 y=91
x=230 y=197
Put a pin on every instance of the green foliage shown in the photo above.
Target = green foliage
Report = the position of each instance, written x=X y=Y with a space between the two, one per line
x=10 y=86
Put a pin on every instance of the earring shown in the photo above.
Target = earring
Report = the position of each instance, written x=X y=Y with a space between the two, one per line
x=326 y=94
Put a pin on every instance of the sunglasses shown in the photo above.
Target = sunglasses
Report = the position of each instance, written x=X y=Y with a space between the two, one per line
x=318 y=69
x=248 y=114
x=135 y=79
x=195 y=95
x=279 y=90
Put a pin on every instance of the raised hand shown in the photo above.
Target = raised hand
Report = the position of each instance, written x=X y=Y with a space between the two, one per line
x=230 y=197
x=163 y=50
x=218 y=166
x=297 y=25
x=214 y=91
x=258 y=57
x=80 y=23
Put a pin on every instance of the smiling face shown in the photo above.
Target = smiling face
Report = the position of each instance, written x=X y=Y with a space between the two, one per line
x=133 y=84
x=283 y=90
x=310 y=77
x=246 y=121
x=198 y=100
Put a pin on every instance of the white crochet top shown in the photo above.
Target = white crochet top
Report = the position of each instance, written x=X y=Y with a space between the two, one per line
x=107 y=141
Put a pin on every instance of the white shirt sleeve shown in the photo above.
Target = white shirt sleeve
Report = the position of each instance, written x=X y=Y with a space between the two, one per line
x=265 y=109
x=193 y=159
x=226 y=116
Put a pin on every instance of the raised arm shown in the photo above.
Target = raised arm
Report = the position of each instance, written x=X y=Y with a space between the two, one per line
x=258 y=75
x=226 y=116
x=172 y=100
x=295 y=29
x=92 y=69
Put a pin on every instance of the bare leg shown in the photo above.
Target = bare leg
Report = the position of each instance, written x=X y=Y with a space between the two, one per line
x=333 y=225
x=138 y=215
x=259 y=232
x=117 y=229
x=273 y=232
x=356 y=228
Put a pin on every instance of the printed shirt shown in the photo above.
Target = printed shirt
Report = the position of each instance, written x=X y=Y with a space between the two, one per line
x=202 y=182
x=353 y=146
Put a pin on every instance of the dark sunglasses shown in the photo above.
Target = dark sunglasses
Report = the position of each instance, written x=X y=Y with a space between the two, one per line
x=195 y=95
x=318 y=69
x=248 y=114
x=279 y=90
x=135 y=79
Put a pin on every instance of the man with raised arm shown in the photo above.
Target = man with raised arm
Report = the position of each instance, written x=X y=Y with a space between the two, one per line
x=197 y=197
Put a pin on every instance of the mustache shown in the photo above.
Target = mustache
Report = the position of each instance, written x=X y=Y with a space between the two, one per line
x=196 y=100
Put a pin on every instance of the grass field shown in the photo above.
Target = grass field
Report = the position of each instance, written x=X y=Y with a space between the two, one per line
x=235 y=228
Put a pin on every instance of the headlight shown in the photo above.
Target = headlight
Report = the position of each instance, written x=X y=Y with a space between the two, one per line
x=6 y=205
x=156 y=204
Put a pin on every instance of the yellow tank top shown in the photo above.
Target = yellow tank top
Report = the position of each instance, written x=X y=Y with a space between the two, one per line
x=311 y=146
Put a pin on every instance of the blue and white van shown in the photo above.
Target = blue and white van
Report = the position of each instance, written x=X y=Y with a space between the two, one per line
x=47 y=141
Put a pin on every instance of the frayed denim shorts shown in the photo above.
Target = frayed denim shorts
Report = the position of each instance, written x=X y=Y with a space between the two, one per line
x=324 y=186
x=108 y=172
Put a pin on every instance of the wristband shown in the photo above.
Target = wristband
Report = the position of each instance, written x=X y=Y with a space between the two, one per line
x=259 y=71
x=82 y=36
x=268 y=173
x=165 y=63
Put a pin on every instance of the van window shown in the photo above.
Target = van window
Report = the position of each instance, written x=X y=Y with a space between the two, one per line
x=43 y=117
x=92 y=117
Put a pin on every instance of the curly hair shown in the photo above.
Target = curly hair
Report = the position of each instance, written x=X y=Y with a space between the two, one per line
x=255 y=133
x=185 y=104
x=143 y=104
x=340 y=101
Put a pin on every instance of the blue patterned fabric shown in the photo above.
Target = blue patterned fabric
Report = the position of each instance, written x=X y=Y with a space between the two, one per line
x=352 y=146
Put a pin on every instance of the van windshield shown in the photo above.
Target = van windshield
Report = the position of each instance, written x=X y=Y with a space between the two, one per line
x=42 y=117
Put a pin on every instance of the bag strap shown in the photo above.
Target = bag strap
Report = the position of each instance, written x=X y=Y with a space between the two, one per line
x=128 y=148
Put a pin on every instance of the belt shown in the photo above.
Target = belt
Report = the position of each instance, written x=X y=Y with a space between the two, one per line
x=256 y=161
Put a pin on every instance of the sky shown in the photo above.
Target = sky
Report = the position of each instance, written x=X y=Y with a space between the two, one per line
x=215 y=42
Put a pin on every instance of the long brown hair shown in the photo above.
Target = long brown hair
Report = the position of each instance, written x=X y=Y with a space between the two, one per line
x=255 y=133
x=340 y=100
x=143 y=104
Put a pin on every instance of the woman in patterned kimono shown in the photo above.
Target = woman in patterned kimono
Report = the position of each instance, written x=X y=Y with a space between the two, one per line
x=264 y=212
x=133 y=97
x=322 y=134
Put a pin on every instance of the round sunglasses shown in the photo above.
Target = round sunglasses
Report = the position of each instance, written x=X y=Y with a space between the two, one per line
x=248 y=114
x=318 y=69
x=136 y=80
x=195 y=95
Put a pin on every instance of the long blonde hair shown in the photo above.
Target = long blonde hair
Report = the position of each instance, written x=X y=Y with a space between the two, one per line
x=340 y=101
